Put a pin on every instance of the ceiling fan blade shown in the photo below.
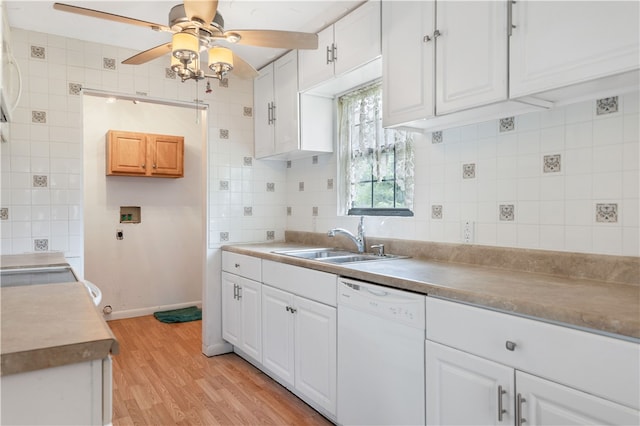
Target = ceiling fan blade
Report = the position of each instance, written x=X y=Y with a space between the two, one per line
x=109 y=16
x=148 y=55
x=274 y=38
x=204 y=10
x=242 y=68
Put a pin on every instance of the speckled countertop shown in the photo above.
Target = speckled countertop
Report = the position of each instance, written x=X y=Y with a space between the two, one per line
x=600 y=306
x=49 y=325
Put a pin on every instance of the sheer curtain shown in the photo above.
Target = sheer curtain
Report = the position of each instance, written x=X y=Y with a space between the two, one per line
x=362 y=138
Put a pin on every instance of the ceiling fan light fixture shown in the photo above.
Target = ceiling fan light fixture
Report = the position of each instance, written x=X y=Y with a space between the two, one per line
x=220 y=61
x=184 y=47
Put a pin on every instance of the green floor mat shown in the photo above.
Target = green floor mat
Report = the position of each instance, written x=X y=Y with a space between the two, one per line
x=192 y=313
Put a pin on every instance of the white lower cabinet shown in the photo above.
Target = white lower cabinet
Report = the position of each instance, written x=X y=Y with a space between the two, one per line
x=490 y=368
x=241 y=318
x=299 y=346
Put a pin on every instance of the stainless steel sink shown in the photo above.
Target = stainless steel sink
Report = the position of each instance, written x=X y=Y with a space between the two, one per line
x=332 y=255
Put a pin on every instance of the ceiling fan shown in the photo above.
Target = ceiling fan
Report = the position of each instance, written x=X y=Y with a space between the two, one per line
x=196 y=26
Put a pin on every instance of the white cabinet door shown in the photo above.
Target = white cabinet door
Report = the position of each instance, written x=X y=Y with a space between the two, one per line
x=548 y=403
x=471 y=54
x=278 y=333
x=285 y=82
x=316 y=65
x=557 y=43
x=263 y=98
x=249 y=295
x=230 y=309
x=463 y=389
x=315 y=352
x=357 y=37
x=407 y=60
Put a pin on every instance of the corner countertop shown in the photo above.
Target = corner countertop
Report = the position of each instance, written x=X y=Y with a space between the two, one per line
x=49 y=325
x=594 y=305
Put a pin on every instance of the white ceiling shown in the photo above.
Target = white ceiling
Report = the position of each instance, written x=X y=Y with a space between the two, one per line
x=300 y=15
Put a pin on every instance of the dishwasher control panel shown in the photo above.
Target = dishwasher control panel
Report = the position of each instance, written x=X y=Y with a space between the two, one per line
x=389 y=303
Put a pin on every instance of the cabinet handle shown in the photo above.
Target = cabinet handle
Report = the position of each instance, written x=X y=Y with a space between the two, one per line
x=235 y=291
x=239 y=292
x=436 y=34
x=334 y=56
x=510 y=25
x=501 y=410
x=292 y=310
x=237 y=265
x=519 y=401
x=288 y=308
x=269 y=113
x=426 y=39
x=273 y=112
x=511 y=346
x=329 y=52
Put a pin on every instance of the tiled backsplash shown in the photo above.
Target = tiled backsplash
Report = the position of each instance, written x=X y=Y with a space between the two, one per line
x=565 y=179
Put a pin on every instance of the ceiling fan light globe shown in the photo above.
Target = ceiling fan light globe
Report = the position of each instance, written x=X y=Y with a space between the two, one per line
x=184 y=47
x=220 y=60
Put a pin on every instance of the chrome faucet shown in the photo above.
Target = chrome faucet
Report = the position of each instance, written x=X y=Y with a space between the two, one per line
x=358 y=240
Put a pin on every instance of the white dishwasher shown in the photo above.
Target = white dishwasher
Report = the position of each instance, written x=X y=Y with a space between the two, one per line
x=381 y=333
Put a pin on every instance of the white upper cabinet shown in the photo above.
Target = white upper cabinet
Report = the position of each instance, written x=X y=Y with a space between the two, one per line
x=471 y=54
x=560 y=43
x=347 y=44
x=262 y=116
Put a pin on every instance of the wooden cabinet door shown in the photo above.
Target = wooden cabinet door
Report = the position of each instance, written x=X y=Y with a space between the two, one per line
x=408 y=61
x=315 y=352
x=167 y=155
x=285 y=95
x=471 y=54
x=277 y=334
x=230 y=309
x=463 y=389
x=357 y=37
x=546 y=403
x=126 y=153
x=262 y=107
x=251 y=318
x=558 y=43
x=316 y=65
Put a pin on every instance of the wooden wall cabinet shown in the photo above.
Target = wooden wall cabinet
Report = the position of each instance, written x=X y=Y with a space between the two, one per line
x=144 y=154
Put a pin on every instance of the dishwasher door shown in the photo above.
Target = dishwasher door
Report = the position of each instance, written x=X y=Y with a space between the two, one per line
x=381 y=369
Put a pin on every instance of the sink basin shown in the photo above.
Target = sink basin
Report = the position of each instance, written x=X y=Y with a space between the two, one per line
x=332 y=255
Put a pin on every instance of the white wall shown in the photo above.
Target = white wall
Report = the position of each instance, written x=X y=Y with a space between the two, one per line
x=158 y=265
x=553 y=210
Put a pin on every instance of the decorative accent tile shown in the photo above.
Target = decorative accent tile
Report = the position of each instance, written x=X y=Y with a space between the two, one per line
x=142 y=93
x=169 y=73
x=40 y=181
x=288 y=164
x=507 y=212
x=224 y=236
x=607 y=213
x=271 y=187
x=329 y=183
x=38 y=117
x=224 y=82
x=247 y=111
x=4 y=213
x=224 y=185
x=224 y=134
x=552 y=163
x=38 y=52
x=436 y=211
x=314 y=211
x=300 y=186
x=75 y=88
x=247 y=161
x=271 y=235
x=314 y=159
x=109 y=63
x=41 y=244
x=468 y=171
x=289 y=211
x=248 y=211
x=436 y=137
x=607 y=105
x=507 y=124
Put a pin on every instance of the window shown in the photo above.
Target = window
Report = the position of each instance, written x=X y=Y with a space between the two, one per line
x=376 y=163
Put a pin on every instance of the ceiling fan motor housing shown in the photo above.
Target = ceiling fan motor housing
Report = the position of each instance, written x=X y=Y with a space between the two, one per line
x=178 y=19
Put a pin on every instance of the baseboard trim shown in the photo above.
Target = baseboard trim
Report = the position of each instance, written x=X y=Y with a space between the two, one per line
x=140 y=312
x=220 y=348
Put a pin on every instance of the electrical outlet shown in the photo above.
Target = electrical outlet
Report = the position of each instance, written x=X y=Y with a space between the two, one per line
x=467 y=232
x=119 y=234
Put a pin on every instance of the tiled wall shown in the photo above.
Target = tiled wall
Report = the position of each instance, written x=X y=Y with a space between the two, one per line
x=565 y=179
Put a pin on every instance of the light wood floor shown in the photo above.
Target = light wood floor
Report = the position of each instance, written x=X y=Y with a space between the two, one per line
x=161 y=377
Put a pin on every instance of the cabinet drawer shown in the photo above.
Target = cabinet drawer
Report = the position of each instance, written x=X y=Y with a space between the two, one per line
x=240 y=264
x=601 y=365
x=315 y=285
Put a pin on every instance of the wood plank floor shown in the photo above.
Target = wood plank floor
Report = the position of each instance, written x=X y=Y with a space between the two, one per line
x=161 y=377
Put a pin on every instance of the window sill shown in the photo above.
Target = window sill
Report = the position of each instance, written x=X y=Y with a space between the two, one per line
x=379 y=212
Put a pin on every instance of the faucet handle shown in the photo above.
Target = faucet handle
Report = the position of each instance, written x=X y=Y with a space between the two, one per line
x=379 y=248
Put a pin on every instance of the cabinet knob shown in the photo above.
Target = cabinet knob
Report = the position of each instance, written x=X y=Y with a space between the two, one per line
x=237 y=265
x=426 y=39
x=511 y=346
x=154 y=166
x=437 y=34
x=144 y=166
